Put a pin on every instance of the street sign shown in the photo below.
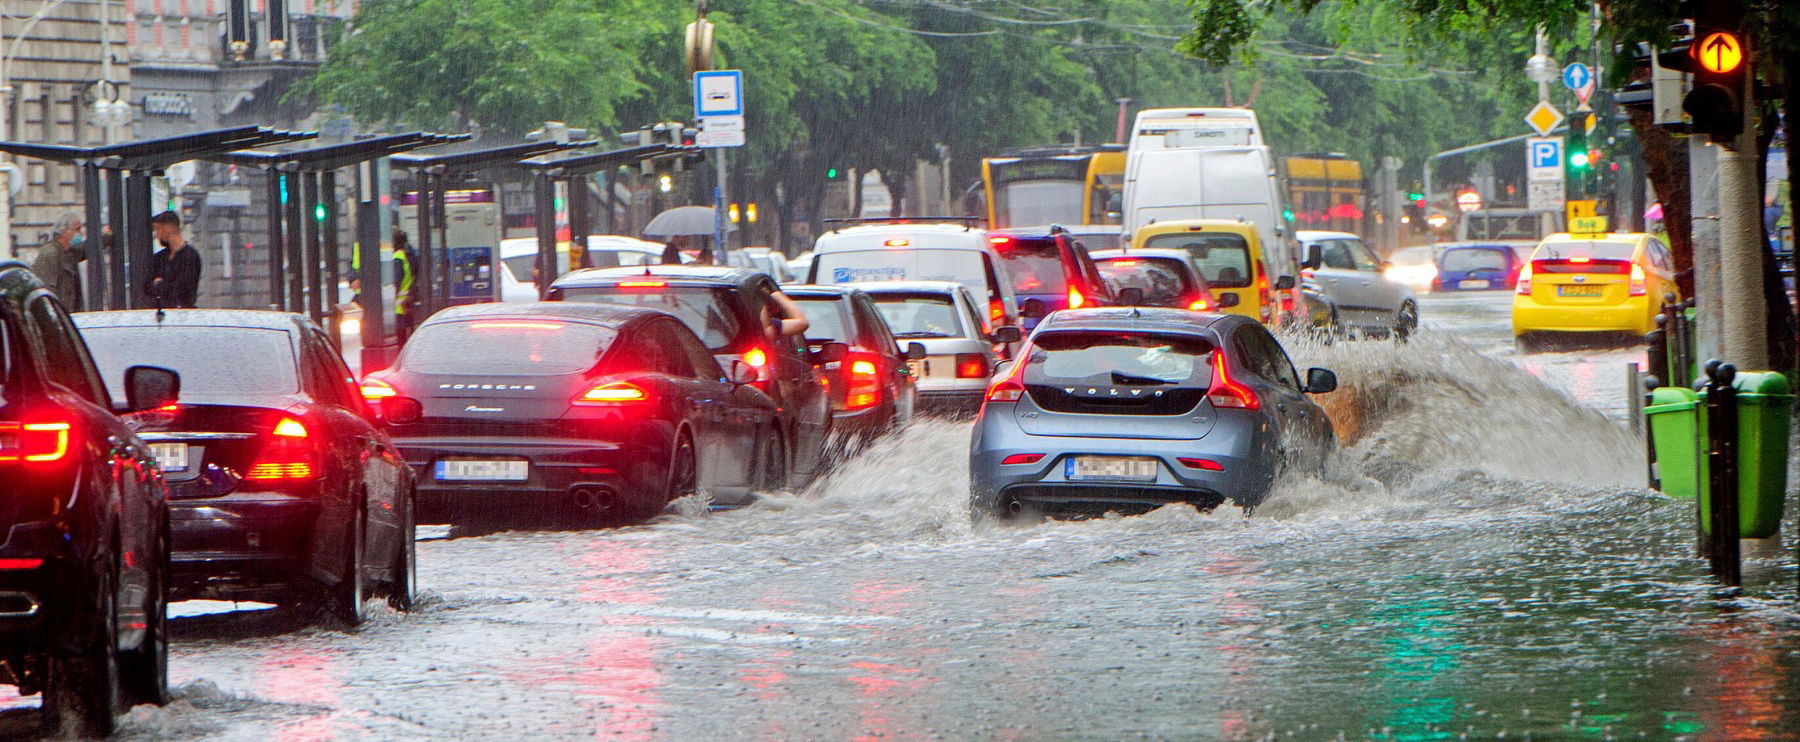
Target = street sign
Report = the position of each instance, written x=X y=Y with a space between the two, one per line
x=722 y=123
x=1543 y=158
x=1468 y=201
x=1544 y=195
x=1577 y=76
x=1543 y=118
x=1581 y=208
x=1587 y=225
x=719 y=93
x=718 y=138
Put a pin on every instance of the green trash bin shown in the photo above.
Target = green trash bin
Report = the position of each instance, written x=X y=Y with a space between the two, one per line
x=1674 y=415
x=1765 y=401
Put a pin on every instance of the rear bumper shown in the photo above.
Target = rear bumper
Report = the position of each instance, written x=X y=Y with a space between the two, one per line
x=555 y=469
x=37 y=604
x=873 y=419
x=1050 y=484
x=952 y=396
x=1634 y=315
x=241 y=541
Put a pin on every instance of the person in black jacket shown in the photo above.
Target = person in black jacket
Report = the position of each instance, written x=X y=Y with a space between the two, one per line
x=175 y=269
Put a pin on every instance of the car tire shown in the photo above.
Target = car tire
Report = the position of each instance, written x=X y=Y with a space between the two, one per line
x=144 y=672
x=1407 y=322
x=684 y=476
x=347 y=595
x=405 y=578
x=81 y=692
x=772 y=471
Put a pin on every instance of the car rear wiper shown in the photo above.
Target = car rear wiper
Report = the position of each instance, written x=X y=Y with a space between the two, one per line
x=1122 y=378
x=921 y=334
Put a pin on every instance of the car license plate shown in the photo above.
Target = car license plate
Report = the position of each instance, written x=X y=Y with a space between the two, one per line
x=1474 y=284
x=171 y=456
x=481 y=471
x=1579 y=290
x=1111 y=468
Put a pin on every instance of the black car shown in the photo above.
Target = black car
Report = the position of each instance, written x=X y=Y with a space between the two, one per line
x=580 y=411
x=872 y=388
x=1050 y=271
x=282 y=487
x=728 y=308
x=83 y=567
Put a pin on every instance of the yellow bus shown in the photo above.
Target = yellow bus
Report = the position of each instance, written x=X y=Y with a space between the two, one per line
x=1053 y=185
x=1325 y=190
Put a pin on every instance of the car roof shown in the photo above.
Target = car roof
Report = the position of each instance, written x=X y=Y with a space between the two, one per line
x=689 y=274
x=813 y=290
x=1142 y=252
x=909 y=287
x=1133 y=319
x=613 y=315
x=1497 y=246
x=1310 y=234
x=260 y=319
x=513 y=247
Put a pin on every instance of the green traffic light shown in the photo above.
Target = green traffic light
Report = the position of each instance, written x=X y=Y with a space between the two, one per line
x=319 y=212
x=1415 y=196
x=831 y=173
x=1578 y=160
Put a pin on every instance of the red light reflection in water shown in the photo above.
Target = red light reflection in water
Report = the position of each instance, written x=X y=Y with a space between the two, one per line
x=617 y=671
x=301 y=676
x=1747 y=675
x=884 y=687
x=1238 y=656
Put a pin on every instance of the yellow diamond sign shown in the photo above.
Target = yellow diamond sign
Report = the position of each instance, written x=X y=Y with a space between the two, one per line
x=1543 y=118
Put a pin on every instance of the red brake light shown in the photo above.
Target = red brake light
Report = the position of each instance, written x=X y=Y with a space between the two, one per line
x=1199 y=305
x=1638 y=287
x=897 y=243
x=1022 y=458
x=1075 y=298
x=1524 y=286
x=1229 y=392
x=971 y=366
x=375 y=390
x=618 y=392
x=34 y=442
x=864 y=389
x=757 y=358
x=21 y=563
x=288 y=454
x=1009 y=388
x=1206 y=464
x=1123 y=263
x=643 y=284
x=996 y=310
x=1580 y=259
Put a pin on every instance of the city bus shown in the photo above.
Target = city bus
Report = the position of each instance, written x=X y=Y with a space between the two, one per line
x=1325 y=190
x=1052 y=185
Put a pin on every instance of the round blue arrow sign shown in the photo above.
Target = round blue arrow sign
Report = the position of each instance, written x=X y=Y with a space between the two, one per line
x=1577 y=76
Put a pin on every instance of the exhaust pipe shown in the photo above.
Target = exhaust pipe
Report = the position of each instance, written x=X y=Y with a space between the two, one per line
x=592 y=498
x=15 y=604
x=1014 y=507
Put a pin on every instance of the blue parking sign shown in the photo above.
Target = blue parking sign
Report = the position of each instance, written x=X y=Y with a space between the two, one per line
x=1546 y=153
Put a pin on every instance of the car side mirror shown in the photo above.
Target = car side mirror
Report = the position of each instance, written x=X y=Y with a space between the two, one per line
x=1006 y=335
x=831 y=352
x=1131 y=296
x=1284 y=283
x=1320 y=381
x=1315 y=257
x=1227 y=301
x=150 y=387
x=1033 y=309
x=741 y=373
x=915 y=351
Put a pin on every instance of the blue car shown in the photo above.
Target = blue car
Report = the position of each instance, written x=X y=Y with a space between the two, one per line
x=1128 y=409
x=1476 y=267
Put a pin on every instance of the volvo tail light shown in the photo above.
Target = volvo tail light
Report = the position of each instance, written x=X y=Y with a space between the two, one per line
x=35 y=442
x=1638 y=287
x=1009 y=388
x=614 y=393
x=288 y=454
x=1524 y=286
x=971 y=366
x=865 y=386
x=1229 y=392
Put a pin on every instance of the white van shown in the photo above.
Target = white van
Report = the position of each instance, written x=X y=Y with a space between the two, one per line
x=917 y=251
x=519 y=255
x=1186 y=128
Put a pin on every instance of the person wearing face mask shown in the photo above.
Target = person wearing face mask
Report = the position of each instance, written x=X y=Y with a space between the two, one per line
x=56 y=262
x=175 y=269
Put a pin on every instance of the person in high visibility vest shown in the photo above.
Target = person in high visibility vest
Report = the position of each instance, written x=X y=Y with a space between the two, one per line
x=406 y=306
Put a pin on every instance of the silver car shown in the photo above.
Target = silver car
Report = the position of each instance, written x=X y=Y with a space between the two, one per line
x=1131 y=409
x=960 y=350
x=1348 y=275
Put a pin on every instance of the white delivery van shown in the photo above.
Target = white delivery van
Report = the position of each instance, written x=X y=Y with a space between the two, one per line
x=918 y=251
x=1186 y=128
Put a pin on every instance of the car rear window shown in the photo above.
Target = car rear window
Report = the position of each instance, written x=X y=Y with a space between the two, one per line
x=904 y=264
x=261 y=360
x=1162 y=279
x=1223 y=258
x=506 y=347
x=1118 y=359
x=1036 y=202
x=1474 y=260
x=706 y=310
x=1036 y=266
x=825 y=318
x=1590 y=249
x=919 y=315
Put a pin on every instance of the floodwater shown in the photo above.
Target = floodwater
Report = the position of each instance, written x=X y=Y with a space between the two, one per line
x=1480 y=562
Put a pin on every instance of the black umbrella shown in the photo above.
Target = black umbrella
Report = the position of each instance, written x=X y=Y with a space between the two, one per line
x=683 y=220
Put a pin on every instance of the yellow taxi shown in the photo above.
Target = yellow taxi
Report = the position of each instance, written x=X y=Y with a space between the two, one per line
x=1231 y=258
x=1585 y=283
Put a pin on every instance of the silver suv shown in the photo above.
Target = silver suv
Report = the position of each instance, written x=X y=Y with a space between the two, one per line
x=1349 y=277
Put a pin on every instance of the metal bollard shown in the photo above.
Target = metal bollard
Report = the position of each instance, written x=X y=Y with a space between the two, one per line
x=1722 y=473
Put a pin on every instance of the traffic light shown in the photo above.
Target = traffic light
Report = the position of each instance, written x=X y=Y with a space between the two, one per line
x=831 y=173
x=1576 y=144
x=319 y=212
x=1720 y=63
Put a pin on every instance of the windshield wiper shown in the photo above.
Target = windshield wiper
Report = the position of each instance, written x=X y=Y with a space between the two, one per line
x=1123 y=378
x=920 y=334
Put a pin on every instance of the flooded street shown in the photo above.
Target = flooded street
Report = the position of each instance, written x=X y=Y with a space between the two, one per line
x=1481 y=562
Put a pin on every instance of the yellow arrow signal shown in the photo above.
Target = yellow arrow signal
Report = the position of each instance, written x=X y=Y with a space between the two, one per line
x=1720 y=52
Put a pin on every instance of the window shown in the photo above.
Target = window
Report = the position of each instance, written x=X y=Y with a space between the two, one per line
x=704 y=309
x=1118 y=359
x=1480 y=259
x=824 y=318
x=1335 y=254
x=522 y=347
x=704 y=364
x=1163 y=280
x=337 y=376
x=65 y=359
x=1590 y=249
x=1365 y=260
x=1223 y=258
x=914 y=316
x=1035 y=265
x=262 y=360
x=1265 y=358
x=876 y=334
